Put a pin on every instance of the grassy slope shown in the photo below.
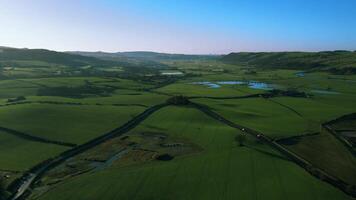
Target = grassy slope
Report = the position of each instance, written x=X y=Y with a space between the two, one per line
x=75 y=124
x=294 y=60
x=20 y=154
x=262 y=115
x=71 y=123
x=222 y=171
x=335 y=159
x=31 y=57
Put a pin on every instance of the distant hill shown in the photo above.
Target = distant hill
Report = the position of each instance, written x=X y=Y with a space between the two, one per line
x=144 y=55
x=24 y=57
x=337 y=61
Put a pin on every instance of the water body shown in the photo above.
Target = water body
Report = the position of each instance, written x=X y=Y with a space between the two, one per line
x=108 y=163
x=250 y=84
x=325 y=92
x=172 y=73
x=300 y=74
x=208 y=84
x=231 y=82
x=260 y=86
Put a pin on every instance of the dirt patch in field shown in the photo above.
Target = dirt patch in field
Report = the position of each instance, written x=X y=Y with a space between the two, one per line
x=128 y=150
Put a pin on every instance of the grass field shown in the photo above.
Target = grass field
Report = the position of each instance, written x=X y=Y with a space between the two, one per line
x=68 y=123
x=262 y=115
x=19 y=155
x=79 y=108
x=335 y=159
x=223 y=170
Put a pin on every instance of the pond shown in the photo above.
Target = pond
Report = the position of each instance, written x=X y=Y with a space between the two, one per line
x=208 y=84
x=172 y=73
x=250 y=84
x=300 y=74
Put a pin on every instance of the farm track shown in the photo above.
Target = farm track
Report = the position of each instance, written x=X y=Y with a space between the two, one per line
x=33 y=138
x=37 y=171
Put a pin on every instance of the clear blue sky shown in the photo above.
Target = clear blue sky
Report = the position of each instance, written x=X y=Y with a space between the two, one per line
x=179 y=26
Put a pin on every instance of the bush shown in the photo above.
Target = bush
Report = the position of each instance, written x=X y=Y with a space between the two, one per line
x=178 y=100
x=20 y=98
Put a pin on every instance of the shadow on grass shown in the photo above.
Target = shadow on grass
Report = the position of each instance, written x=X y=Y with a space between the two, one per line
x=267 y=153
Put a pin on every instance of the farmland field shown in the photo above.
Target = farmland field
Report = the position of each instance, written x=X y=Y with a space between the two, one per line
x=196 y=128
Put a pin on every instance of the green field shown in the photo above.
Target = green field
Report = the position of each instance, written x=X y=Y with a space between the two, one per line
x=178 y=152
x=19 y=155
x=222 y=170
x=75 y=124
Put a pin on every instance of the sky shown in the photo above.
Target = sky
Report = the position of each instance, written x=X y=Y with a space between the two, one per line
x=179 y=26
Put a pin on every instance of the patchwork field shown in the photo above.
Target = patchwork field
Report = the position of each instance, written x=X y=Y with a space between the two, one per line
x=174 y=152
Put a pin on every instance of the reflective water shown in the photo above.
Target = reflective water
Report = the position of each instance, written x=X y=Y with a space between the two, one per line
x=250 y=84
x=300 y=74
x=172 y=73
x=209 y=84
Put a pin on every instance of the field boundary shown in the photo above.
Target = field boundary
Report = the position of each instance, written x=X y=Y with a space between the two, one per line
x=330 y=130
x=33 y=138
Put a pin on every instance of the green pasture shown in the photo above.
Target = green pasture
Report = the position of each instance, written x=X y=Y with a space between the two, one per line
x=262 y=115
x=223 y=170
x=335 y=158
x=68 y=123
x=19 y=154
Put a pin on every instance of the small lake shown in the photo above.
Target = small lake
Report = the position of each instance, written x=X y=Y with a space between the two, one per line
x=208 y=84
x=250 y=84
x=172 y=73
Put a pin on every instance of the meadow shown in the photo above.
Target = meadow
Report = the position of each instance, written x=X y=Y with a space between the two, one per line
x=222 y=170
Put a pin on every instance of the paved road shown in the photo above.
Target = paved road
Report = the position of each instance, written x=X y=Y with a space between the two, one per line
x=38 y=170
x=25 y=184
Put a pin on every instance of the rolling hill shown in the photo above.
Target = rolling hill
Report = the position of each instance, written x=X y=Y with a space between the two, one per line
x=41 y=57
x=143 y=55
x=343 y=62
